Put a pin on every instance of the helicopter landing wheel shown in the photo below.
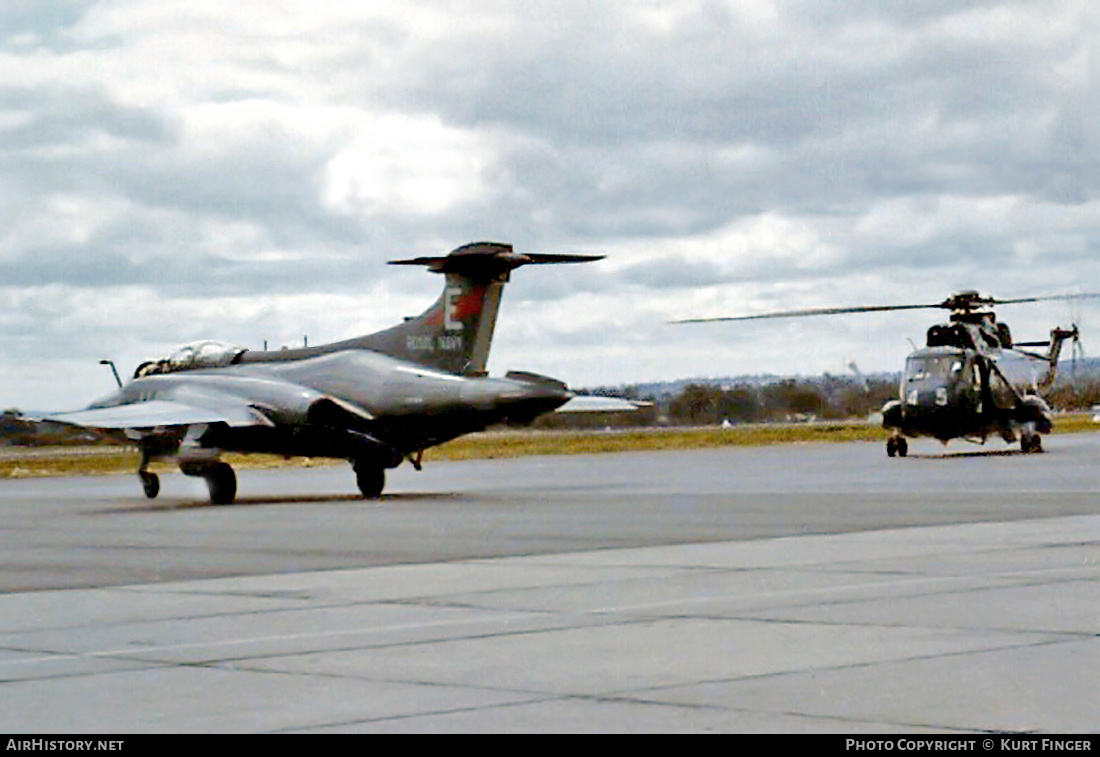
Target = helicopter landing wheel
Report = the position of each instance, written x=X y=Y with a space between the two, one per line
x=150 y=484
x=1031 y=443
x=896 y=446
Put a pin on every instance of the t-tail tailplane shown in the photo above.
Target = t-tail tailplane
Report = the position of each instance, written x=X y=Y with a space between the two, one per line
x=454 y=334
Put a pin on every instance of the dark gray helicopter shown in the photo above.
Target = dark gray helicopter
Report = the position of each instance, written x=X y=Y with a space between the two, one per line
x=953 y=387
x=375 y=400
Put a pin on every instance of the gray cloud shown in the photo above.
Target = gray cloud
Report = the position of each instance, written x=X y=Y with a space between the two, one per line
x=722 y=154
x=40 y=23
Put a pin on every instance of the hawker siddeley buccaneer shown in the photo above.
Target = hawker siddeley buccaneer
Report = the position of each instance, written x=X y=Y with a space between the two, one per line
x=375 y=400
x=956 y=386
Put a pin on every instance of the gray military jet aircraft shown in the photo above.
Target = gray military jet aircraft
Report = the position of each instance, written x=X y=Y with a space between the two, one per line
x=374 y=400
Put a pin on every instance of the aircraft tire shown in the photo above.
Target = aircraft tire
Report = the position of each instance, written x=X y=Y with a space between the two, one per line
x=1031 y=443
x=222 y=483
x=371 y=480
x=150 y=484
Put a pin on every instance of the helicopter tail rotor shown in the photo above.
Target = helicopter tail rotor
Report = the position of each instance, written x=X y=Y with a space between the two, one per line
x=1077 y=351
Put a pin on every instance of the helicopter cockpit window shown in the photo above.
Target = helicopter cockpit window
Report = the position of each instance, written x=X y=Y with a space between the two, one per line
x=208 y=353
x=935 y=368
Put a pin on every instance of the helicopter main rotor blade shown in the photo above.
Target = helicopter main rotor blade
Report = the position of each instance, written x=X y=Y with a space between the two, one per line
x=966 y=302
x=542 y=258
x=810 y=311
x=1050 y=298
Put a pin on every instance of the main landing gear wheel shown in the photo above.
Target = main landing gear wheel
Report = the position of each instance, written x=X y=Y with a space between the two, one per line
x=896 y=446
x=150 y=483
x=222 y=483
x=371 y=480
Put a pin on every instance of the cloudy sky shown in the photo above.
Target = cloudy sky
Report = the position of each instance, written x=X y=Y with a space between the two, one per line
x=179 y=170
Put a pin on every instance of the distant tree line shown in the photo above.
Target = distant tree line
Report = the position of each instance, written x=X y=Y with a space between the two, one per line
x=17 y=430
x=1076 y=395
x=787 y=400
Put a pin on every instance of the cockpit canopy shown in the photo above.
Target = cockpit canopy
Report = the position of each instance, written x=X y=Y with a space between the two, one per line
x=206 y=353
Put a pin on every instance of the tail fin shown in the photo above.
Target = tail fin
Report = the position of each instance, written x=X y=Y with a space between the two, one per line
x=1057 y=337
x=454 y=334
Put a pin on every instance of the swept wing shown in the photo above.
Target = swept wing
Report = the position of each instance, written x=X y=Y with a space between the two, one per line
x=236 y=400
x=157 y=413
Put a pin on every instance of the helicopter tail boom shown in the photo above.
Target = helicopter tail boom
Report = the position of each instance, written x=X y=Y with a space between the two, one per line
x=1058 y=337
